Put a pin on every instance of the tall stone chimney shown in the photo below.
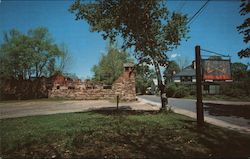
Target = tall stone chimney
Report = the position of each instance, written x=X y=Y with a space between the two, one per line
x=124 y=86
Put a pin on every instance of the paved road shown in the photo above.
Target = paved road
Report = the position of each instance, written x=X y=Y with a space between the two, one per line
x=230 y=113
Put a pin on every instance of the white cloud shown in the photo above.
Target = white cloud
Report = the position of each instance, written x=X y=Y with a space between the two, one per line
x=174 y=55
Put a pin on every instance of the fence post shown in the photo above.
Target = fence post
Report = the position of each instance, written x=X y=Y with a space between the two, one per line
x=199 y=104
x=117 y=102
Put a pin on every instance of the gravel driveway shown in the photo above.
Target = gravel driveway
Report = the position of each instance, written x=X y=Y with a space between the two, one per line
x=12 y=109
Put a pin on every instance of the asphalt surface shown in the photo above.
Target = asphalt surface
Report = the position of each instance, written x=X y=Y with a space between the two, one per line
x=235 y=113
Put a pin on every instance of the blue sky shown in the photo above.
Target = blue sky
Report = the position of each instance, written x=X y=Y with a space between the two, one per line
x=214 y=29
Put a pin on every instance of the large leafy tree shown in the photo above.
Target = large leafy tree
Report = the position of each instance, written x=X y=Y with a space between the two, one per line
x=110 y=65
x=146 y=26
x=245 y=27
x=29 y=55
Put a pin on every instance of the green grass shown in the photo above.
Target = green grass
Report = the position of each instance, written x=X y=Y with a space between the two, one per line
x=117 y=134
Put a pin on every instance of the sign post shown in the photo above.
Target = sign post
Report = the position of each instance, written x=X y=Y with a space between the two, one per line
x=199 y=104
x=117 y=102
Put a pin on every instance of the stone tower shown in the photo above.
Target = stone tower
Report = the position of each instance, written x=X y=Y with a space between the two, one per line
x=124 y=86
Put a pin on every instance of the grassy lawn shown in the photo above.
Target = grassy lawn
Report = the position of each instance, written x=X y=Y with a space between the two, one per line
x=117 y=135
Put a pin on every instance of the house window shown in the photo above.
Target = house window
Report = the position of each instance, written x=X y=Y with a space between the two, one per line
x=186 y=78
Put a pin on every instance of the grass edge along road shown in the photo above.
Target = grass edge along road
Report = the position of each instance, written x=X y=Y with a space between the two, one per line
x=124 y=134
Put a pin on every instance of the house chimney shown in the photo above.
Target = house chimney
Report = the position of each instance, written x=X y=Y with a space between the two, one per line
x=128 y=68
x=193 y=65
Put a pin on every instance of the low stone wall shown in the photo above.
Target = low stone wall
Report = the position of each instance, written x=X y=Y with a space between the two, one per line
x=124 y=87
x=84 y=94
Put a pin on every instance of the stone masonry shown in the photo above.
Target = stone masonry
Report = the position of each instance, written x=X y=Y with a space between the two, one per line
x=124 y=87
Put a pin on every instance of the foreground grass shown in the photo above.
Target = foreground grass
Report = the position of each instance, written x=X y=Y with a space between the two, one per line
x=117 y=134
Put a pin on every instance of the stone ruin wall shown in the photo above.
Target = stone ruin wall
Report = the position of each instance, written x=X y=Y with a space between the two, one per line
x=124 y=86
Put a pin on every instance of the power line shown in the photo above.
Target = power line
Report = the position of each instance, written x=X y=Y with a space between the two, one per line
x=215 y=53
x=197 y=12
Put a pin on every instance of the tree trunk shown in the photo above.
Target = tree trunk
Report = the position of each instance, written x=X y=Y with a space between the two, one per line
x=161 y=86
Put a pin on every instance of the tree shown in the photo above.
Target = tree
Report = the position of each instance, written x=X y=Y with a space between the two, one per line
x=171 y=69
x=146 y=26
x=65 y=60
x=32 y=54
x=239 y=71
x=144 y=77
x=110 y=65
x=245 y=27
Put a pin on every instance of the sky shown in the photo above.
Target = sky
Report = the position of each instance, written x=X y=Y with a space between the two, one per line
x=214 y=29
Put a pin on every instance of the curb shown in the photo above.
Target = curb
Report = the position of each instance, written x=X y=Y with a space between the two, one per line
x=210 y=120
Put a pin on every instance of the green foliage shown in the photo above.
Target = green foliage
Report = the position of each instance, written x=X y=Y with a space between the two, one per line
x=26 y=55
x=177 y=90
x=236 y=89
x=240 y=87
x=182 y=91
x=152 y=33
x=171 y=90
x=239 y=71
x=110 y=66
x=146 y=26
x=245 y=27
x=144 y=78
x=171 y=69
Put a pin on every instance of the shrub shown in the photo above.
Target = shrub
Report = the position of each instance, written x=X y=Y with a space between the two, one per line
x=178 y=91
x=171 y=90
x=238 y=89
x=181 y=92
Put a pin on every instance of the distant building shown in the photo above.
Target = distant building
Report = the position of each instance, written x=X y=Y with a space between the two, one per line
x=188 y=77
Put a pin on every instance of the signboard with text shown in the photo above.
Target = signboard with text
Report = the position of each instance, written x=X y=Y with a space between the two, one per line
x=216 y=69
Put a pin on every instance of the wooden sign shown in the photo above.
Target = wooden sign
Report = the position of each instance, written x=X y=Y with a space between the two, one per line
x=216 y=69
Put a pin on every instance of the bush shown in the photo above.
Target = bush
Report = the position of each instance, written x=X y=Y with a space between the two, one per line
x=181 y=92
x=171 y=90
x=177 y=91
x=238 y=89
x=192 y=92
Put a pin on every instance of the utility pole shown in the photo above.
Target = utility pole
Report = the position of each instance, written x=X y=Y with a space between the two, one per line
x=199 y=104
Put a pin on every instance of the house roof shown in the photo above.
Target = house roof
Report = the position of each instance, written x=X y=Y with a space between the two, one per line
x=188 y=71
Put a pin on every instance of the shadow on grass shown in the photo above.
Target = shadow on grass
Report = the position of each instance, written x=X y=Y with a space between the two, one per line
x=228 y=110
x=122 y=110
x=221 y=142
x=130 y=139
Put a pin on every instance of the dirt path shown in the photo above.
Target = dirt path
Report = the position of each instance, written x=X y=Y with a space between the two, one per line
x=41 y=107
